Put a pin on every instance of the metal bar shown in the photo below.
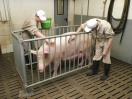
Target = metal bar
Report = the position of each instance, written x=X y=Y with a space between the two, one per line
x=60 y=53
x=82 y=10
x=78 y=51
x=22 y=60
x=56 y=76
x=65 y=51
x=70 y=51
x=31 y=66
x=52 y=37
x=37 y=60
x=50 y=63
x=55 y=37
x=86 y=50
x=43 y=58
x=74 y=54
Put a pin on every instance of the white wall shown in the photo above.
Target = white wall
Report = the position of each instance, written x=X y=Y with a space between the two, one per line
x=120 y=51
x=20 y=10
x=96 y=8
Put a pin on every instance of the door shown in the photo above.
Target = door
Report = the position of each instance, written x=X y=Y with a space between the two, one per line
x=61 y=12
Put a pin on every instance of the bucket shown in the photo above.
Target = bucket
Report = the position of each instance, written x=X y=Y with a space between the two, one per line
x=46 y=24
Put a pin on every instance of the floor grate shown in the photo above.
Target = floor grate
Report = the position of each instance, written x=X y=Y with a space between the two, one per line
x=72 y=86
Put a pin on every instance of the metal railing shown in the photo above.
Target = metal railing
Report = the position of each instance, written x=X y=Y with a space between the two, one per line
x=30 y=76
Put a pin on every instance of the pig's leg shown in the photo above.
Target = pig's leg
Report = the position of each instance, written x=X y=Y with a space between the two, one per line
x=82 y=62
x=81 y=55
x=56 y=65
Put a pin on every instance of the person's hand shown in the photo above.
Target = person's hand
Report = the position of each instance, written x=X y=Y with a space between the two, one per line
x=104 y=53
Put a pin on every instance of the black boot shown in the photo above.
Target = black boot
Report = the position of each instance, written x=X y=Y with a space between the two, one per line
x=94 y=70
x=106 y=72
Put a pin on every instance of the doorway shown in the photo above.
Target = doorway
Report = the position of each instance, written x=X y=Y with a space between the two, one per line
x=61 y=12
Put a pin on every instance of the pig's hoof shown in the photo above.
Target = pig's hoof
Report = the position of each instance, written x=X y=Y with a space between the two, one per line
x=41 y=70
x=54 y=74
x=80 y=64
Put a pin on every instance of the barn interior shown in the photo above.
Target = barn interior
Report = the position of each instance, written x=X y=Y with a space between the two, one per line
x=17 y=81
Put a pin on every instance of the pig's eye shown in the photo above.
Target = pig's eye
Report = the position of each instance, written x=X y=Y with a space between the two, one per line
x=46 y=55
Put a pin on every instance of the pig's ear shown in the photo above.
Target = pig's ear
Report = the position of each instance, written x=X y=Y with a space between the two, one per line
x=51 y=42
x=33 y=52
x=71 y=38
x=46 y=41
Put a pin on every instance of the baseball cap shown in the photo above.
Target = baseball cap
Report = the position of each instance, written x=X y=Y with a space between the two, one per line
x=41 y=15
x=92 y=23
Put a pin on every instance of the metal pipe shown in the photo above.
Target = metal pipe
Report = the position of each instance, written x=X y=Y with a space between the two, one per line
x=52 y=37
x=9 y=15
x=5 y=11
x=0 y=17
x=104 y=2
x=88 y=8
x=84 y=67
x=81 y=10
x=37 y=60
x=38 y=80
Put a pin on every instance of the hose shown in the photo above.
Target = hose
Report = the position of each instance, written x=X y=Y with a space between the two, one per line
x=122 y=22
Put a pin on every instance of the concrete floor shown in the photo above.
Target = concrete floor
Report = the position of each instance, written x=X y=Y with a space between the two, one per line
x=72 y=86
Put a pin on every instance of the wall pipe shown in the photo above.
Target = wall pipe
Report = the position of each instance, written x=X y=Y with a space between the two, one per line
x=0 y=17
x=9 y=15
x=88 y=8
x=82 y=10
x=104 y=2
x=5 y=12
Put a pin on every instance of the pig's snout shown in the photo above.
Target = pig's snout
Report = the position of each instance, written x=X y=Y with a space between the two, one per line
x=41 y=69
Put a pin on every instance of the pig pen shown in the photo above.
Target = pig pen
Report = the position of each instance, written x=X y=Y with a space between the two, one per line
x=28 y=71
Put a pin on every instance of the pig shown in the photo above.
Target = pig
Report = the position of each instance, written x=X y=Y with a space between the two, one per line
x=51 y=51
x=83 y=45
x=71 y=47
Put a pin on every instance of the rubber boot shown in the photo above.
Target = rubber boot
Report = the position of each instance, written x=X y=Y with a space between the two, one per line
x=106 y=72
x=94 y=70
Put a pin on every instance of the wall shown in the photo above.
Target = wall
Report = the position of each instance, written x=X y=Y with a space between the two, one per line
x=71 y=11
x=5 y=37
x=20 y=10
x=120 y=51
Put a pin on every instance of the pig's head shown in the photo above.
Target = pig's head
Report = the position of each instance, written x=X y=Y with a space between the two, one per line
x=44 y=56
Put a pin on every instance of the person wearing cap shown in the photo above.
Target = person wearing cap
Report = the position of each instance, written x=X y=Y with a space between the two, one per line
x=30 y=29
x=103 y=32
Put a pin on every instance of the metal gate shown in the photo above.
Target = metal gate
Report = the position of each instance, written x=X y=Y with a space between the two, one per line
x=29 y=71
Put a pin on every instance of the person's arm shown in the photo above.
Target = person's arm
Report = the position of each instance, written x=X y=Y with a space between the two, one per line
x=109 y=43
x=39 y=35
x=82 y=26
x=79 y=29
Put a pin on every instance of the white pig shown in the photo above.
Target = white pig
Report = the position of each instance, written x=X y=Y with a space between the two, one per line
x=64 y=48
x=52 y=50
x=78 y=46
